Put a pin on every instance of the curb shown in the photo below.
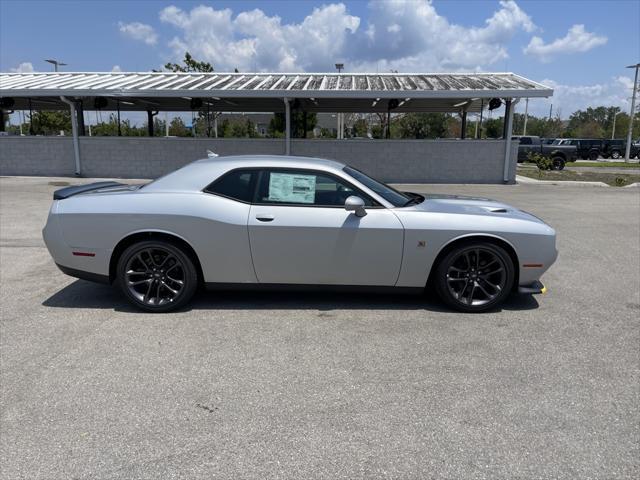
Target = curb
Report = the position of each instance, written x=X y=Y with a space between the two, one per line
x=532 y=181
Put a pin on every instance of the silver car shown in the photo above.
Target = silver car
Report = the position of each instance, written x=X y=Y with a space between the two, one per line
x=273 y=221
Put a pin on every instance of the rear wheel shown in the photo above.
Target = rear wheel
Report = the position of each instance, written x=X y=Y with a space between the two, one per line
x=157 y=276
x=558 y=163
x=475 y=277
x=615 y=154
x=593 y=155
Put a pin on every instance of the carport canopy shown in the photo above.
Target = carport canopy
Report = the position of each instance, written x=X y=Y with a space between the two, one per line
x=264 y=92
x=267 y=92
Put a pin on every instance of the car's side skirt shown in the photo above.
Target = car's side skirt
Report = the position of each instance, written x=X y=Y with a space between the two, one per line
x=311 y=288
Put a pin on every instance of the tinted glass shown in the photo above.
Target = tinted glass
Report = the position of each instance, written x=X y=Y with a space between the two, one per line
x=305 y=187
x=391 y=195
x=238 y=185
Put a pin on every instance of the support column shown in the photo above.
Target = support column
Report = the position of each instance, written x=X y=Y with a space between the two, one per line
x=287 y=127
x=304 y=124
x=150 y=116
x=507 y=132
x=2 y=120
x=119 y=127
x=74 y=130
x=80 y=116
x=463 y=128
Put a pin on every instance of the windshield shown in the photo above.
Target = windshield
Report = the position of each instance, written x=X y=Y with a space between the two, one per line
x=391 y=195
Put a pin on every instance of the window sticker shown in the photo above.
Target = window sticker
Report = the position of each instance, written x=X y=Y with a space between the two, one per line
x=292 y=188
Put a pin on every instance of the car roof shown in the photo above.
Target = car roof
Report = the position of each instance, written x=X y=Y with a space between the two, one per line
x=200 y=173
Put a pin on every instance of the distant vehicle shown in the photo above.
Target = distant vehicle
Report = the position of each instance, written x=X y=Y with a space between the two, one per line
x=276 y=221
x=560 y=154
x=614 y=149
x=635 y=149
x=588 y=148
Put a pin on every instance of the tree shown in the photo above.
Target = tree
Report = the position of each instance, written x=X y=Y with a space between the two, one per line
x=277 y=126
x=206 y=118
x=50 y=122
x=189 y=64
x=177 y=128
x=420 y=125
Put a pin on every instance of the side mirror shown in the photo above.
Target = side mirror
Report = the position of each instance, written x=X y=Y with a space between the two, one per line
x=356 y=205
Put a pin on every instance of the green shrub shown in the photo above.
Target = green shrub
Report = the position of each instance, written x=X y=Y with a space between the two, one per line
x=541 y=161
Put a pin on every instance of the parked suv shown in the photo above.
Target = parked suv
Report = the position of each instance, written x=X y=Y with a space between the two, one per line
x=614 y=149
x=588 y=148
x=560 y=154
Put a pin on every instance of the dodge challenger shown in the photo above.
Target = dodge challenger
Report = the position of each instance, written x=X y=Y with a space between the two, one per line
x=278 y=221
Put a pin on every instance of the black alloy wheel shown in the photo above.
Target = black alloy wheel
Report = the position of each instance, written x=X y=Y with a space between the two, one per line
x=475 y=277
x=157 y=276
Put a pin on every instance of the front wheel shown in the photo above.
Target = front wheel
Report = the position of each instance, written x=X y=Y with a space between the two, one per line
x=475 y=277
x=157 y=276
x=593 y=155
x=615 y=155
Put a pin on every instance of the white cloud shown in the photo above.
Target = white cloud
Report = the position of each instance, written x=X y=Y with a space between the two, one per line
x=24 y=67
x=569 y=98
x=116 y=68
x=403 y=35
x=413 y=36
x=577 y=40
x=139 y=31
x=254 y=40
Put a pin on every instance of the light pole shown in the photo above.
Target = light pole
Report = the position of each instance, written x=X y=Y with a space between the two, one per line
x=55 y=63
x=613 y=132
x=632 y=113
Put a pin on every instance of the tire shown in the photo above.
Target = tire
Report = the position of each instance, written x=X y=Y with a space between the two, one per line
x=615 y=155
x=460 y=266
x=558 y=163
x=593 y=155
x=157 y=276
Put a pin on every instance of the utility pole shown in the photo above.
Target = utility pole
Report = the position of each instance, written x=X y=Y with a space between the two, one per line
x=632 y=113
x=550 y=111
x=526 y=115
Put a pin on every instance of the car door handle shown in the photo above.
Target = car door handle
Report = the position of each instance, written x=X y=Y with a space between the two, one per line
x=262 y=217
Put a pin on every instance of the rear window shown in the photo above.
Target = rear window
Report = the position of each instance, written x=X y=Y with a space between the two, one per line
x=237 y=185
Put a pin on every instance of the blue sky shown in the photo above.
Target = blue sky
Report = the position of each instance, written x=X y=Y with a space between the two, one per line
x=578 y=47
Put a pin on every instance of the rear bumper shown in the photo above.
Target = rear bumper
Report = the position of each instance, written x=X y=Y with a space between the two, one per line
x=533 y=288
x=89 y=276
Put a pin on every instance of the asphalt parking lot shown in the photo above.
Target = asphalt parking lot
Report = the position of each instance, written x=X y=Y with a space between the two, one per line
x=249 y=385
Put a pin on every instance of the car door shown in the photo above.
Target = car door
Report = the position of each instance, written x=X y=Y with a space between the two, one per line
x=300 y=232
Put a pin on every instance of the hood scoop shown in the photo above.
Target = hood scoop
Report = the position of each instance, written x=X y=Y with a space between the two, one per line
x=495 y=209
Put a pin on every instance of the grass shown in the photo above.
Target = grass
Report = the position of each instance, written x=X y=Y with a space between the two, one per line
x=604 y=164
x=613 y=179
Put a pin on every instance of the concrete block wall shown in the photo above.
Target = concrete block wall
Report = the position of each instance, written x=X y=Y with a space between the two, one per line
x=401 y=161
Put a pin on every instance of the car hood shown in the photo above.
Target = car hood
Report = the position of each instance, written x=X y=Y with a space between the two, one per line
x=464 y=205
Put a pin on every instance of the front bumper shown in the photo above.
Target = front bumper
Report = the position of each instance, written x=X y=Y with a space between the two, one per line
x=533 y=288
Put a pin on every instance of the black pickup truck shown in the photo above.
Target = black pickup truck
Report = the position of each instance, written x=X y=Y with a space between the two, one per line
x=560 y=154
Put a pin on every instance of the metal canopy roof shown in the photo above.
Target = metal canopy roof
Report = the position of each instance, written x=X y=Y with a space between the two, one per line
x=331 y=92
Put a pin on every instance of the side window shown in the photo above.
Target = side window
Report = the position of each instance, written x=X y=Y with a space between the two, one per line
x=238 y=185
x=525 y=141
x=305 y=187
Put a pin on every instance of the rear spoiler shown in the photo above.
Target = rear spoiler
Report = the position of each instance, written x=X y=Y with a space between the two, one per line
x=77 y=189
